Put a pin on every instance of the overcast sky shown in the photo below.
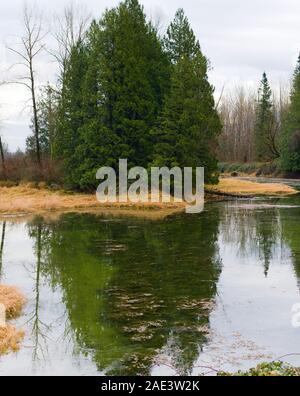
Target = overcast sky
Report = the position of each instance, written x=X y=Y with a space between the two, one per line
x=241 y=39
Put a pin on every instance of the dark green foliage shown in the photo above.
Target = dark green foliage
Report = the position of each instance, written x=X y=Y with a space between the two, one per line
x=264 y=126
x=123 y=90
x=189 y=123
x=290 y=144
x=127 y=94
x=70 y=116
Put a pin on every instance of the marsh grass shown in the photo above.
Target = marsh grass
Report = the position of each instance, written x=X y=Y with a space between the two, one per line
x=238 y=187
x=273 y=369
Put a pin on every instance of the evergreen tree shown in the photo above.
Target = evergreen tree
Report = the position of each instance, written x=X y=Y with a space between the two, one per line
x=71 y=117
x=123 y=91
x=290 y=142
x=189 y=124
x=265 y=133
x=99 y=144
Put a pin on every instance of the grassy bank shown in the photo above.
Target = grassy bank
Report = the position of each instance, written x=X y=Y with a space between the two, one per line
x=28 y=200
x=236 y=187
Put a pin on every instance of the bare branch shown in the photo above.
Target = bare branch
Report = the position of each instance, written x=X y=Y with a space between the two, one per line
x=31 y=46
x=68 y=31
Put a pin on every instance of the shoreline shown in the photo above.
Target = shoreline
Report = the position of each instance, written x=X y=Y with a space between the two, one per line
x=23 y=201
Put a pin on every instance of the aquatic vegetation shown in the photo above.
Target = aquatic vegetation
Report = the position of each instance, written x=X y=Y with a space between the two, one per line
x=273 y=369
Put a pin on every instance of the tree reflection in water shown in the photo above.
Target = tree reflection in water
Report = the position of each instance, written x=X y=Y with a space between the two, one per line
x=133 y=289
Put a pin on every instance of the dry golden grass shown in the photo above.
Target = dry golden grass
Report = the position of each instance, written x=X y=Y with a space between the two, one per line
x=10 y=339
x=26 y=200
x=12 y=299
x=238 y=187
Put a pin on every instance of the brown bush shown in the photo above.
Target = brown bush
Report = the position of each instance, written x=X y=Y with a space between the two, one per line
x=22 y=167
x=12 y=299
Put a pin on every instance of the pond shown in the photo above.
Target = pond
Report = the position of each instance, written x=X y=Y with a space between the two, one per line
x=188 y=294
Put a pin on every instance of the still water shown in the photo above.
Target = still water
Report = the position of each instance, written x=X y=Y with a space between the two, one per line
x=188 y=294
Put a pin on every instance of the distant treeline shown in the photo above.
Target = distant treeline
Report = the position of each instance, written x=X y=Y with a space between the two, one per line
x=126 y=92
x=262 y=127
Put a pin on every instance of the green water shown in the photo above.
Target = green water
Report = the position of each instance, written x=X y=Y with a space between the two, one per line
x=128 y=296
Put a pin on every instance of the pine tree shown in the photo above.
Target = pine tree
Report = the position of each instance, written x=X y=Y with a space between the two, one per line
x=180 y=40
x=189 y=124
x=265 y=131
x=290 y=142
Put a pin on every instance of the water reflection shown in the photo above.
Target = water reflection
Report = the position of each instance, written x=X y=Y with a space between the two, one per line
x=125 y=296
x=132 y=288
x=256 y=233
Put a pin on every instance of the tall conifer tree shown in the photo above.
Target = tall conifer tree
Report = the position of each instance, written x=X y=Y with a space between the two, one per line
x=71 y=117
x=265 y=139
x=189 y=125
x=121 y=93
x=290 y=143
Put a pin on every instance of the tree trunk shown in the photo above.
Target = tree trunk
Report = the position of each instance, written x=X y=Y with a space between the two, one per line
x=3 y=160
x=35 y=117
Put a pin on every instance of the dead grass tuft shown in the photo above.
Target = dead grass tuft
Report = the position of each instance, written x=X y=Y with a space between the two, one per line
x=12 y=299
x=10 y=339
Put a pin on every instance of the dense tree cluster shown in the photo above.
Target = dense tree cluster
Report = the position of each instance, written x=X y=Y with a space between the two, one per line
x=126 y=92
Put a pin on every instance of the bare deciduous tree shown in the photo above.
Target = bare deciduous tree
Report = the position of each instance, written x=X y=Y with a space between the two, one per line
x=237 y=112
x=31 y=46
x=69 y=29
x=3 y=160
x=238 y=115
